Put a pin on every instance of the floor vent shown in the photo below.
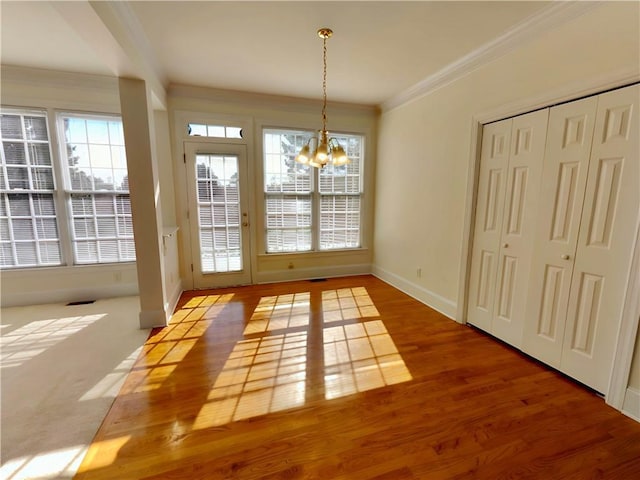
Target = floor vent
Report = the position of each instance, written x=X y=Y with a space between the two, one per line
x=318 y=280
x=83 y=302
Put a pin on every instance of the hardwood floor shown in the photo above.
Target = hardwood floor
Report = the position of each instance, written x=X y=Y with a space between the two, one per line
x=347 y=379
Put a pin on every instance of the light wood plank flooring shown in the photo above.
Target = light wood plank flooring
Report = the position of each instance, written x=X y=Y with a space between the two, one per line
x=347 y=379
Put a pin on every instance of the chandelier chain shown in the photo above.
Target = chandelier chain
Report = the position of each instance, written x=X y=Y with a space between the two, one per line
x=324 y=84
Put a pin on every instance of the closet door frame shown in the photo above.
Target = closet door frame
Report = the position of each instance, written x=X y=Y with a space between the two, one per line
x=630 y=320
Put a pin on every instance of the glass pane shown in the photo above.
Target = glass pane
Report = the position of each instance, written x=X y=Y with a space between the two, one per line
x=339 y=222
x=47 y=228
x=26 y=253
x=11 y=126
x=36 y=128
x=219 y=213
x=19 y=205
x=14 y=153
x=98 y=132
x=86 y=251
x=215 y=131
x=6 y=255
x=50 y=253
x=196 y=129
x=42 y=178
x=18 y=178
x=234 y=132
x=39 y=154
x=282 y=172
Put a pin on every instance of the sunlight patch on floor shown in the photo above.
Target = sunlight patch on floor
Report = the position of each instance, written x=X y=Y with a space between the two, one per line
x=260 y=376
x=347 y=304
x=360 y=357
x=280 y=312
x=61 y=463
x=25 y=343
x=110 y=385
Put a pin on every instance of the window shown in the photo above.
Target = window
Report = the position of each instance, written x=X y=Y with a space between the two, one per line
x=64 y=207
x=98 y=193
x=215 y=131
x=307 y=209
x=28 y=228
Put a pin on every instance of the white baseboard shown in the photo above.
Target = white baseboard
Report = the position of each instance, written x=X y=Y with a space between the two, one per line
x=66 y=295
x=172 y=301
x=423 y=295
x=152 y=318
x=276 y=276
x=631 y=404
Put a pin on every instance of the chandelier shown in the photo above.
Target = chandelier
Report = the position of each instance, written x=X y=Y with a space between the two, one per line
x=320 y=150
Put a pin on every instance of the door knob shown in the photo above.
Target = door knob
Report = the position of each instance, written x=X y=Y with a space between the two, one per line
x=565 y=257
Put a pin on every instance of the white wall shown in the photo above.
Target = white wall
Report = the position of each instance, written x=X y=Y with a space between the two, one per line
x=172 y=282
x=424 y=146
x=254 y=112
x=67 y=92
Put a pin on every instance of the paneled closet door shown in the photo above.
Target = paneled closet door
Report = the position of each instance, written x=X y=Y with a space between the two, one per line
x=496 y=141
x=528 y=135
x=609 y=219
x=561 y=197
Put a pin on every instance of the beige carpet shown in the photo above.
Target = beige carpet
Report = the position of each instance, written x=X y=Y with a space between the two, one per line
x=60 y=369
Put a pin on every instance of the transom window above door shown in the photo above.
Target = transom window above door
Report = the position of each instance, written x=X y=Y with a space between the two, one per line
x=308 y=209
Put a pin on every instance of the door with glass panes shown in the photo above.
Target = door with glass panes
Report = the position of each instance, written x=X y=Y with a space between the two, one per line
x=218 y=215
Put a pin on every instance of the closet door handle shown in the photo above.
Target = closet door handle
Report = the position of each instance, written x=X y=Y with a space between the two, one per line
x=565 y=257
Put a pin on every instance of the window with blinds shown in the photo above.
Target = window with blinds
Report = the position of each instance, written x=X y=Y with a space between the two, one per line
x=29 y=234
x=308 y=209
x=98 y=189
x=82 y=218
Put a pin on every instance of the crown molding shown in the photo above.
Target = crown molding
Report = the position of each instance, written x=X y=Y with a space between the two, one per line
x=58 y=79
x=177 y=91
x=533 y=26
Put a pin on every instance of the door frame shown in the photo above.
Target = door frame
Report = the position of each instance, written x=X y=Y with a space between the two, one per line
x=630 y=321
x=181 y=119
x=220 y=279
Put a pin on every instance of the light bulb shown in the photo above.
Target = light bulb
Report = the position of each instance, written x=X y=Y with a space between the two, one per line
x=303 y=156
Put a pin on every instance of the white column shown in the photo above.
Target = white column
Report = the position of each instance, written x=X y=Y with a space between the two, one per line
x=144 y=187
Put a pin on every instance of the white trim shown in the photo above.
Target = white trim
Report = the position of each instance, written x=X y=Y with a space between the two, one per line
x=74 y=283
x=627 y=334
x=431 y=299
x=173 y=299
x=572 y=91
x=153 y=318
x=276 y=276
x=41 y=77
x=469 y=216
x=532 y=27
x=631 y=405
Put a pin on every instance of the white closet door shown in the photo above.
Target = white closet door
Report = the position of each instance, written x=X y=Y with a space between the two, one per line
x=528 y=135
x=496 y=140
x=561 y=196
x=607 y=228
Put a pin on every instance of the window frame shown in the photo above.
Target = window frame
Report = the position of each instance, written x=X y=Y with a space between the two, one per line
x=62 y=191
x=70 y=192
x=315 y=195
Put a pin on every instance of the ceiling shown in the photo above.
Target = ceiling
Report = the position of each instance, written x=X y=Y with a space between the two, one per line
x=379 y=49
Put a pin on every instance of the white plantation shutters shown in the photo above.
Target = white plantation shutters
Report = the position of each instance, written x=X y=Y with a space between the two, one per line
x=287 y=187
x=308 y=209
x=28 y=227
x=98 y=193
x=340 y=191
x=219 y=213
